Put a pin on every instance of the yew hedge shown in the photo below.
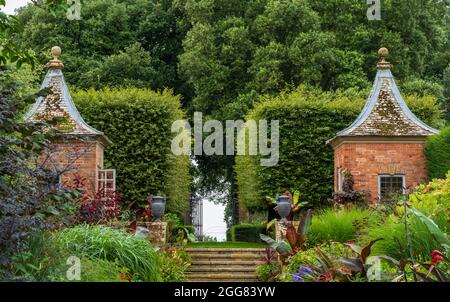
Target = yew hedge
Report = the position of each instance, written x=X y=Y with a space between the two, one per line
x=308 y=118
x=138 y=121
x=437 y=152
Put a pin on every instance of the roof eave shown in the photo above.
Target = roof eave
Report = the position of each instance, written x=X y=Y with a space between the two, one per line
x=338 y=140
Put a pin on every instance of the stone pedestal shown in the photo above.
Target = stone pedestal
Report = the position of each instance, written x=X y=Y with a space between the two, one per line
x=281 y=227
x=157 y=232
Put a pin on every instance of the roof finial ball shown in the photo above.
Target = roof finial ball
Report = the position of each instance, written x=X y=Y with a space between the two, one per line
x=383 y=53
x=56 y=52
x=56 y=63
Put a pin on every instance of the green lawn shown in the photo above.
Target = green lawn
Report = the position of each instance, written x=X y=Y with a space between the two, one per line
x=226 y=244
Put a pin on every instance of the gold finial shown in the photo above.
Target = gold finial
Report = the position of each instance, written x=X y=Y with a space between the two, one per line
x=55 y=63
x=383 y=64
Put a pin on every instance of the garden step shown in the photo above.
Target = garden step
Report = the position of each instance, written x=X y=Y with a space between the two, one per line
x=230 y=268
x=225 y=250
x=224 y=264
x=218 y=262
x=225 y=280
x=225 y=256
x=222 y=276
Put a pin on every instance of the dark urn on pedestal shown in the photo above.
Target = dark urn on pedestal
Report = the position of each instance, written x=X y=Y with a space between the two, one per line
x=283 y=207
x=158 y=207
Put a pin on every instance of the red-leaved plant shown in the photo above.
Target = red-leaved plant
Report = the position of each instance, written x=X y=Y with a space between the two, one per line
x=104 y=206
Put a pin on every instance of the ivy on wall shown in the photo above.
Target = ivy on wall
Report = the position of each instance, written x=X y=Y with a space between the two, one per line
x=308 y=118
x=138 y=121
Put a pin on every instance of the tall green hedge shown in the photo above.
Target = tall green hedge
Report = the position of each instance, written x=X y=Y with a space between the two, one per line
x=247 y=232
x=437 y=152
x=308 y=118
x=138 y=121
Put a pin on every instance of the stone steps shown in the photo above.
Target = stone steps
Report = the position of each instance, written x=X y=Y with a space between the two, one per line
x=224 y=268
x=224 y=264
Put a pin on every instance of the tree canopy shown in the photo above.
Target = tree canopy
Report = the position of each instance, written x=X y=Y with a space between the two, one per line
x=219 y=53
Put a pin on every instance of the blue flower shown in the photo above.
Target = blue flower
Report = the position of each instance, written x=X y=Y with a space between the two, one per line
x=305 y=271
x=297 y=278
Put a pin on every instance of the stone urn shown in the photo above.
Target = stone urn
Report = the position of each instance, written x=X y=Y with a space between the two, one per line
x=158 y=207
x=283 y=207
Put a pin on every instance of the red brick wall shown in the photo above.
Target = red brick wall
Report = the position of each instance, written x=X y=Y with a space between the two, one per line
x=79 y=158
x=367 y=160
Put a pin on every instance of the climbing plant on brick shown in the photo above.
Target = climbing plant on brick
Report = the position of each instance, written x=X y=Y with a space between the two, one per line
x=138 y=121
x=308 y=118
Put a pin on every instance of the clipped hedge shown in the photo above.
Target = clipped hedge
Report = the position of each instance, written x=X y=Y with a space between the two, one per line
x=308 y=118
x=138 y=121
x=437 y=152
x=247 y=232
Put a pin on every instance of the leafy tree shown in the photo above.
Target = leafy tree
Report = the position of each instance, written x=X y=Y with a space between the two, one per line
x=97 y=46
x=10 y=51
x=132 y=67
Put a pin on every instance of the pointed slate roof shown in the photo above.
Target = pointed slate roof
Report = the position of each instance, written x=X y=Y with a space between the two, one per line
x=59 y=104
x=386 y=113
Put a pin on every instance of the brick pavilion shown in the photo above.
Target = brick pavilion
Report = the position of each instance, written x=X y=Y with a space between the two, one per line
x=383 y=148
x=78 y=151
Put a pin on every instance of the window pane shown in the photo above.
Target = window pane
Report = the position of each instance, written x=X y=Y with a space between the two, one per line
x=390 y=185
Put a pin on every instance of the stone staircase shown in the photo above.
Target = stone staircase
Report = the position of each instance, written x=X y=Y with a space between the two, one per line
x=224 y=264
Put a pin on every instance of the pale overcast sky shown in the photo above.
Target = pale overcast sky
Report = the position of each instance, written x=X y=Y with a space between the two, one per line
x=213 y=223
x=12 y=5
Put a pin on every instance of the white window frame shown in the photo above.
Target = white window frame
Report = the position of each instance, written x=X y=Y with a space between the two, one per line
x=105 y=180
x=339 y=179
x=391 y=175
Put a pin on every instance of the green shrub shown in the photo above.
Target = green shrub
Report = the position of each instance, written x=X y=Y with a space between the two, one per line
x=433 y=200
x=175 y=265
x=339 y=225
x=139 y=121
x=176 y=229
x=44 y=260
x=437 y=151
x=333 y=249
x=307 y=120
x=394 y=241
x=247 y=232
x=101 y=242
x=267 y=272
